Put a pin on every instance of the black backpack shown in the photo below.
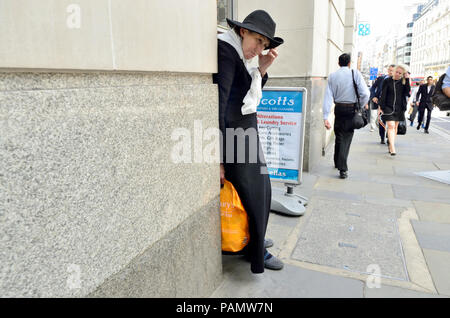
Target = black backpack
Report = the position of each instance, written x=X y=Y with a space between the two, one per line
x=439 y=98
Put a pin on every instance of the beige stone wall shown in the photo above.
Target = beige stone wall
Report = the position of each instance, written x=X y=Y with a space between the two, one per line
x=138 y=35
x=313 y=31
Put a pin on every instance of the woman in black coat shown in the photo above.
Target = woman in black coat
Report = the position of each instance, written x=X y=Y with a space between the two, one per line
x=393 y=101
x=240 y=88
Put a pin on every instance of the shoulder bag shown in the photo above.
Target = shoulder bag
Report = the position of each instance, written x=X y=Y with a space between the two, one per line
x=360 y=119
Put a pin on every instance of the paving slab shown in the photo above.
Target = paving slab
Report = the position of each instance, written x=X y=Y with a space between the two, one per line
x=352 y=236
x=388 y=202
x=442 y=176
x=338 y=195
x=354 y=187
x=291 y=282
x=439 y=264
x=416 y=192
x=386 y=291
x=433 y=212
x=431 y=235
x=279 y=228
x=442 y=165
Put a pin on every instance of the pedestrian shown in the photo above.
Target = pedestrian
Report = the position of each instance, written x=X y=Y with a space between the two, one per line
x=446 y=83
x=393 y=99
x=240 y=88
x=341 y=90
x=423 y=98
x=373 y=115
x=375 y=94
x=413 y=106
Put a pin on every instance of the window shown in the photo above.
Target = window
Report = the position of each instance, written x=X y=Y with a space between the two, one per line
x=224 y=11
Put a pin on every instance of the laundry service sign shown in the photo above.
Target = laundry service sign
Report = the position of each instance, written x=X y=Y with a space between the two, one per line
x=281 y=131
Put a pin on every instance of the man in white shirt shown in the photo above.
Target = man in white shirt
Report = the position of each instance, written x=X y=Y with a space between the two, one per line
x=341 y=91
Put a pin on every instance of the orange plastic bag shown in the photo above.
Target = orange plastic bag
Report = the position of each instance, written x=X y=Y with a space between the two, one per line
x=234 y=219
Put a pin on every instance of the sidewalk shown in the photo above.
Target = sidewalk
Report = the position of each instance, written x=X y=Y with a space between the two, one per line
x=383 y=232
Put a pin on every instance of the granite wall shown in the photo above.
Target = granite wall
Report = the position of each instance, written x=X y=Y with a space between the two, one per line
x=91 y=201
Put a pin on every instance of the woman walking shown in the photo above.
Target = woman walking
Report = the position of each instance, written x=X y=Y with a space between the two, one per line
x=393 y=101
x=240 y=88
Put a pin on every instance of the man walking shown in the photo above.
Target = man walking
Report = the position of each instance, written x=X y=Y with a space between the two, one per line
x=424 y=102
x=413 y=103
x=375 y=94
x=340 y=89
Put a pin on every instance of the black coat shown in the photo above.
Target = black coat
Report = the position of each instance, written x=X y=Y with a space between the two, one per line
x=249 y=179
x=400 y=95
x=425 y=97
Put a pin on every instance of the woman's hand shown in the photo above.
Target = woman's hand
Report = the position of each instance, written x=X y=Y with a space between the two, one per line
x=266 y=60
x=222 y=174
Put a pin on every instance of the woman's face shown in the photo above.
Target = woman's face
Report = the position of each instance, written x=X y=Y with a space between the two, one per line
x=253 y=43
x=398 y=73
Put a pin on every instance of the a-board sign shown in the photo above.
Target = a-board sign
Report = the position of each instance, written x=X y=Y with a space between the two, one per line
x=281 y=130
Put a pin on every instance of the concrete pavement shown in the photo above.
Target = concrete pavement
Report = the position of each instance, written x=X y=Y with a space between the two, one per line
x=383 y=232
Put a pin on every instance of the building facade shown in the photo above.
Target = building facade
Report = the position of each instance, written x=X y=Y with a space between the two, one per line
x=430 y=54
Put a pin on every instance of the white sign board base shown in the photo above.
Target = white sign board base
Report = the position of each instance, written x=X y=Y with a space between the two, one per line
x=287 y=203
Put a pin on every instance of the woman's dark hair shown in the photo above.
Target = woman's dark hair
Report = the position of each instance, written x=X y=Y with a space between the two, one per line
x=344 y=59
x=237 y=30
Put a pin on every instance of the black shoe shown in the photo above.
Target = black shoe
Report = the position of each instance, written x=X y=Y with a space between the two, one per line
x=343 y=174
x=268 y=243
x=382 y=142
x=418 y=127
x=273 y=263
x=426 y=131
x=393 y=154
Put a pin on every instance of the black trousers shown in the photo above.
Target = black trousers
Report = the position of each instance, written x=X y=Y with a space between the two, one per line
x=422 y=115
x=344 y=134
x=412 y=117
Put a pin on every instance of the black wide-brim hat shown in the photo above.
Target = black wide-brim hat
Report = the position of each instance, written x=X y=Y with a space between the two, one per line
x=261 y=22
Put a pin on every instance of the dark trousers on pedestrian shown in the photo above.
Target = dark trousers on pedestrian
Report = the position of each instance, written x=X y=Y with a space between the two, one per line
x=343 y=131
x=422 y=115
x=412 y=117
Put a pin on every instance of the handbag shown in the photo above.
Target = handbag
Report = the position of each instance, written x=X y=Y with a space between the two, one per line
x=439 y=98
x=401 y=130
x=234 y=220
x=411 y=108
x=359 y=119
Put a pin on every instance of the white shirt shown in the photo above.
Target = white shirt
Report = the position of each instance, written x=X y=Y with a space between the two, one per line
x=340 y=89
x=254 y=94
